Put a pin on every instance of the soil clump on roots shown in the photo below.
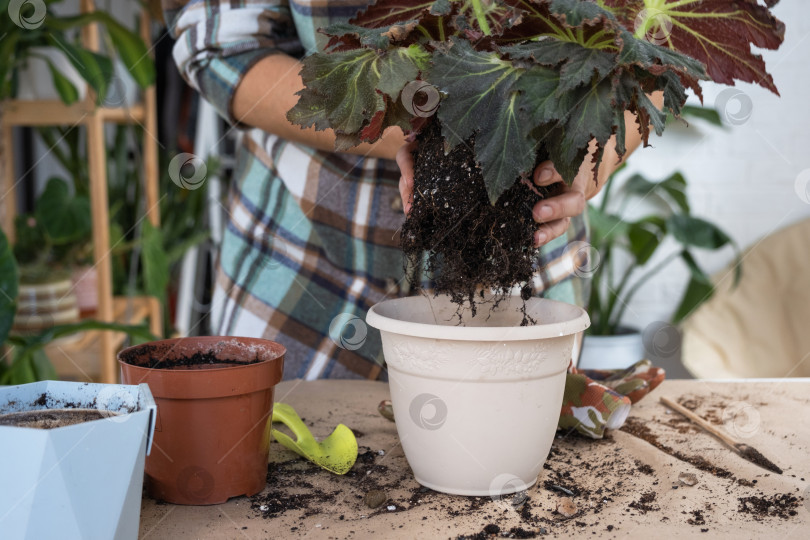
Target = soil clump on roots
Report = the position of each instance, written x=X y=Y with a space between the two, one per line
x=472 y=246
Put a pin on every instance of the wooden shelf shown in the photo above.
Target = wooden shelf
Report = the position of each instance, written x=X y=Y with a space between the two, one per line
x=55 y=113
x=78 y=358
x=91 y=356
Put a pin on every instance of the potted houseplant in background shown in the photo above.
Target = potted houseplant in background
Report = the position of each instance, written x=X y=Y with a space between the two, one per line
x=624 y=246
x=32 y=27
x=24 y=359
x=40 y=58
x=51 y=241
x=511 y=83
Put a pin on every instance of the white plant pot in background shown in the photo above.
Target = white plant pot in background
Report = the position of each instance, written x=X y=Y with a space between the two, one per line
x=611 y=352
x=476 y=405
x=77 y=481
x=123 y=90
x=35 y=80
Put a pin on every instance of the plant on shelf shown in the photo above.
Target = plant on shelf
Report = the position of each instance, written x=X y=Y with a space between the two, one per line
x=55 y=236
x=157 y=250
x=513 y=82
x=30 y=26
x=28 y=361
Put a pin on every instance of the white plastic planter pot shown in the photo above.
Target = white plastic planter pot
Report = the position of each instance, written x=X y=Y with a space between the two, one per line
x=476 y=404
x=77 y=481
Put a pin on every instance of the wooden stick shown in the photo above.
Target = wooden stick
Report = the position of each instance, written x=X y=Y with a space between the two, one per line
x=723 y=436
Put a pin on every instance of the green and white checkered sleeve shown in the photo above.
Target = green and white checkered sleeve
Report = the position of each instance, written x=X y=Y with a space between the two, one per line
x=218 y=41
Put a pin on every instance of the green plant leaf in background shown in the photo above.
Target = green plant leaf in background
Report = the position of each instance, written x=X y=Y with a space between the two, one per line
x=155 y=261
x=699 y=289
x=673 y=187
x=129 y=46
x=692 y=231
x=605 y=227
x=645 y=236
x=9 y=279
x=95 y=68
x=67 y=92
x=704 y=113
x=31 y=364
x=65 y=218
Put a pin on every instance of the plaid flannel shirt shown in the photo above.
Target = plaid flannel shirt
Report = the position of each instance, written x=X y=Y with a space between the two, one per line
x=312 y=239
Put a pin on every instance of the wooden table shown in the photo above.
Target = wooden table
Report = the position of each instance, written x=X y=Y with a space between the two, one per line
x=621 y=486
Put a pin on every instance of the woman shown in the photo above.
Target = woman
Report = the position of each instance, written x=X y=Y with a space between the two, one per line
x=312 y=239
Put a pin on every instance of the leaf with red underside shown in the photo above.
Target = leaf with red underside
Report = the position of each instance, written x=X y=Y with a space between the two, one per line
x=388 y=12
x=718 y=33
x=373 y=130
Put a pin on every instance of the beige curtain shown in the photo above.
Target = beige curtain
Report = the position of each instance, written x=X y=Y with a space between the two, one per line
x=761 y=328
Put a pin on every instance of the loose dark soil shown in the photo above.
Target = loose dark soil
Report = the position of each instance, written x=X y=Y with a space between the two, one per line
x=781 y=505
x=155 y=360
x=52 y=418
x=471 y=245
x=636 y=428
x=645 y=503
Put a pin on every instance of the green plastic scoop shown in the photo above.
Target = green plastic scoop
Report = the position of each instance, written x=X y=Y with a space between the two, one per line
x=336 y=453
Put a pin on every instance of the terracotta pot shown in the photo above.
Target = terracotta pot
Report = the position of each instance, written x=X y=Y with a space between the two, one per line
x=476 y=403
x=212 y=434
x=85 y=285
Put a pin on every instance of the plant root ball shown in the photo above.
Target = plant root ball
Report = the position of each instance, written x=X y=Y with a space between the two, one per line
x=472 y=246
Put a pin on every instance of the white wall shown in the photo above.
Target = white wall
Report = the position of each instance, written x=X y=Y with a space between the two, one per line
x=743 y=177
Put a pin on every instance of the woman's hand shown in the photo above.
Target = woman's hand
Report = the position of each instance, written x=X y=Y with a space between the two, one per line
x=553 y=213
x=405 y=162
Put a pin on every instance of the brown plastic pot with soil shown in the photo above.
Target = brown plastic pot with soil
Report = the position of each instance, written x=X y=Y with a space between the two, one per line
x=215 y=398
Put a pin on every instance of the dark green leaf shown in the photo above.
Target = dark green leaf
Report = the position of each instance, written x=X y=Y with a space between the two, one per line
x=504 y=151
x=605 y=228
x=704 y=113
x=7 y=45
x=673 y=187
x=696 y=293
x=577 y=12
x=176 y=252
x=9 y=279
x=42 y=366
x=21 y=370
x=64 y=218
x=155 y=261
x=692 y=231
x=130 y=47
x=67 y=92
x=345 y=90
x=640 y=52
x=591 y=117
x=539 y=96
x=694 y=268
x=94 y=68
x=579 y=64
x=376 y=38
x=644 y=238
x=477 y=84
